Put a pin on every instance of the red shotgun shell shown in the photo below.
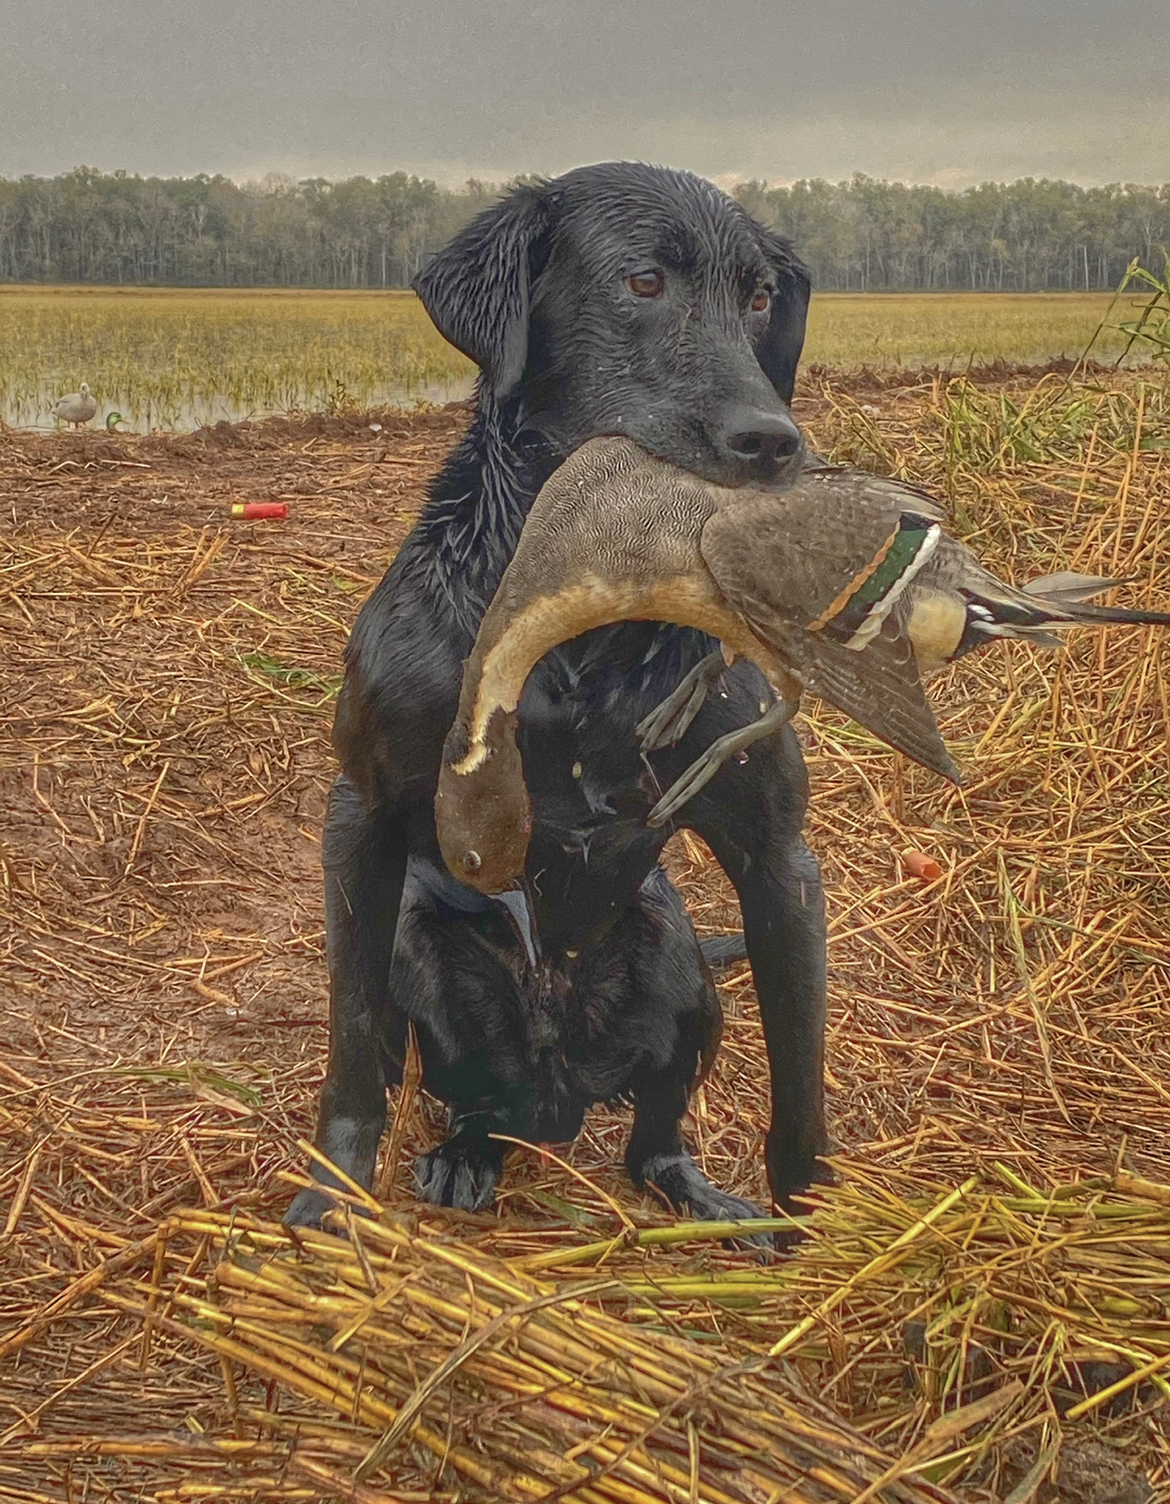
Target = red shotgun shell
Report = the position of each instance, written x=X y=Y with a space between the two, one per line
x=257 y=511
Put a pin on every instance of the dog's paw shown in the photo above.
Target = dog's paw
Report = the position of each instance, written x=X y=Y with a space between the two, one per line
x=677 y=1180
x=791 y=1175
x=462 y=1173
x=713 y=1205
x=309 y=1209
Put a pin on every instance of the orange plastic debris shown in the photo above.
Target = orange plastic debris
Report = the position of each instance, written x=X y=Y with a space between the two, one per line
x=918 y=864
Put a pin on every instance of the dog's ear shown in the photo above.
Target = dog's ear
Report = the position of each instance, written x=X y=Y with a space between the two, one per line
x=477 y=289
x=779 y=350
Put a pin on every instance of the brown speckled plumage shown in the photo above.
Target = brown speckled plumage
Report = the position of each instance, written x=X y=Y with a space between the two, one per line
x=842 y=584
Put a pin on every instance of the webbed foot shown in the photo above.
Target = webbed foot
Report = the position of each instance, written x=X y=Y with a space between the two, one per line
x=704 y=768
x=667 y=724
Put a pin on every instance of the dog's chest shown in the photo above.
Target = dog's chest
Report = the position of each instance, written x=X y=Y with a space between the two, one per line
x=578 y=714
x=589 y=784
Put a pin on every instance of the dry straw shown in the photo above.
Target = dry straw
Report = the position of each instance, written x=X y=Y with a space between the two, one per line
x=517 y=1388
x=165 y=697
x=988 y=1309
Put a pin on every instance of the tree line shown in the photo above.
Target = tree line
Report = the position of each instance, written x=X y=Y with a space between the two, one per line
x=862 y=235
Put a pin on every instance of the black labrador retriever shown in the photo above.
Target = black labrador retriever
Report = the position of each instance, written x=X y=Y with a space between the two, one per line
x=618 y=299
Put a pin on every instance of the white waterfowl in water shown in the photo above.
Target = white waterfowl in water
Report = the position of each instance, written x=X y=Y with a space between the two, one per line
x=77 y=407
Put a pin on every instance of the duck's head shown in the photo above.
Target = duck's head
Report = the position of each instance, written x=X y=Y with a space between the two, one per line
x=482 y=813
x=112 y=421
x=83 y=389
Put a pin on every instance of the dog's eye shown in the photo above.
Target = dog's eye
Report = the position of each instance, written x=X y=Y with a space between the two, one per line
x=761 y=300
x=647 y=284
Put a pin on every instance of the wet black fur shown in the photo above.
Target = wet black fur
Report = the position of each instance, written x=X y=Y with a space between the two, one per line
x=599 y=992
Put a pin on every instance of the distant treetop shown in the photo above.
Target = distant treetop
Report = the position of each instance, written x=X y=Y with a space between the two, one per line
x=861 y=235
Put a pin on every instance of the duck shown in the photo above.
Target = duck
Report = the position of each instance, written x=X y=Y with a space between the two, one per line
x=78 y=407
x=114 y=422
x=842 y=584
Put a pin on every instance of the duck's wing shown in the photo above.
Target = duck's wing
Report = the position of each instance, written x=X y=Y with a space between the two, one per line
x=814 y=571
x=832 y=553
x=845 y=481
x=878 y=686
x=1068 y=587
x=842 y=545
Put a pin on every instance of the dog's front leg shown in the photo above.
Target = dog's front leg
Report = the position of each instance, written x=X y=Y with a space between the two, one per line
x=659 y=1161
x=784 y=927
x=780 y=893
x=364 y=856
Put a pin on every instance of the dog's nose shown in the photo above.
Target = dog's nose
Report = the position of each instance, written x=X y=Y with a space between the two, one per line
x=763 y=440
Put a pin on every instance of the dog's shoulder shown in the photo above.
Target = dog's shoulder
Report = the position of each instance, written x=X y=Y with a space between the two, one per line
x=403 y=667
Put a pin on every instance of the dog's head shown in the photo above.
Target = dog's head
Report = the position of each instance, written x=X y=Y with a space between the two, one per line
x=623 y=298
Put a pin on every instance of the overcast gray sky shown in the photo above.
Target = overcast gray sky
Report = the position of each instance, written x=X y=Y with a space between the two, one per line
x=943 y=91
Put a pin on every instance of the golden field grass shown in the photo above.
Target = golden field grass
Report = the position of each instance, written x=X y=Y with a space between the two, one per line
x=177 y=358
x=957 y=329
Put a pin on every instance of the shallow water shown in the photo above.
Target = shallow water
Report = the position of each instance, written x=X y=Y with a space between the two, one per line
x=176 y=359
x=190 y=415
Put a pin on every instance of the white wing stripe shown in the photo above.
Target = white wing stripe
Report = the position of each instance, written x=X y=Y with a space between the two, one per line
x=872 y=624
